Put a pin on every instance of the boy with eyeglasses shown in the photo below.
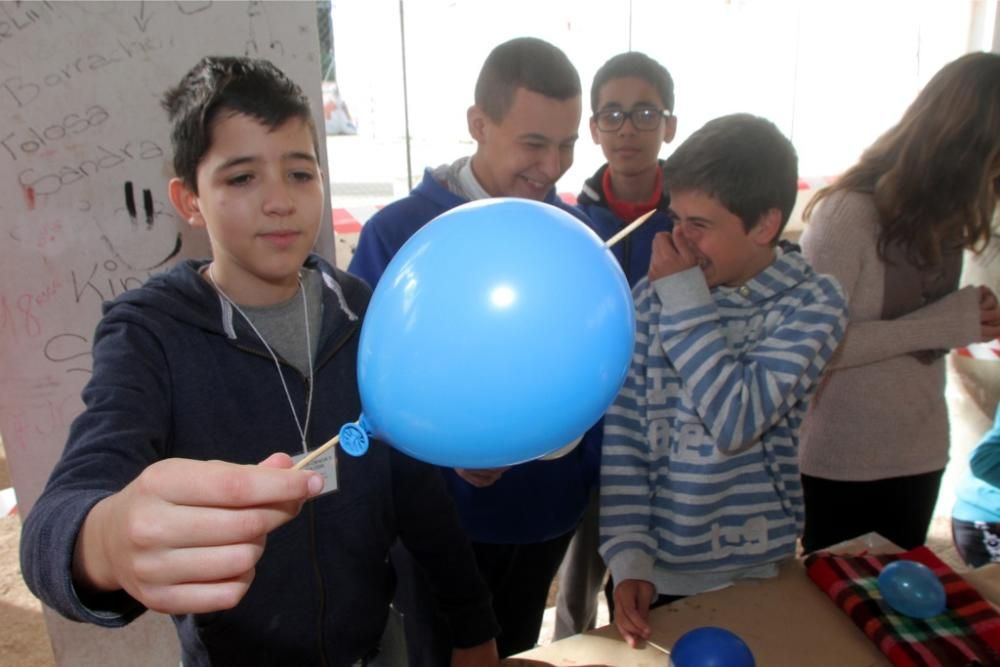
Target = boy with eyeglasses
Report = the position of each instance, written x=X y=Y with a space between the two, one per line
x=632 y=102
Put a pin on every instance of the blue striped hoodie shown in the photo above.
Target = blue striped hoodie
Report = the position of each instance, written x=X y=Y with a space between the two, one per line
x=699 y=474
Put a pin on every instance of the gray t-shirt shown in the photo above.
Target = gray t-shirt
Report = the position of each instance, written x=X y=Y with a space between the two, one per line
x=283 y=325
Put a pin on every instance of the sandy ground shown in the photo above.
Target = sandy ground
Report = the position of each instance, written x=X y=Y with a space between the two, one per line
x=23 y=639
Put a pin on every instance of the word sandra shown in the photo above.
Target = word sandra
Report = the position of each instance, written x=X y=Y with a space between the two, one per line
x=34 y=139
x=23 y=92
x=51 y=183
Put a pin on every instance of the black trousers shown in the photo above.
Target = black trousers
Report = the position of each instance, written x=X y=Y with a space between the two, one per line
x=898 y=508
x=978 y=543
x=519 y=577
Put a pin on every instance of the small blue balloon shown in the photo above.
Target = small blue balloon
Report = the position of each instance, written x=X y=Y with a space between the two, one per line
x=912 y=589
x=502 y=330
x=711 y=647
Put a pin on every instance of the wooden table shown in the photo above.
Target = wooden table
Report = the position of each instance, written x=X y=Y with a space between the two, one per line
x=786 y=621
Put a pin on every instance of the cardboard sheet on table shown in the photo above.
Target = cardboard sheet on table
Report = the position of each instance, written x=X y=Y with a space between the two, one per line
x=986 y=580
x=785 y=621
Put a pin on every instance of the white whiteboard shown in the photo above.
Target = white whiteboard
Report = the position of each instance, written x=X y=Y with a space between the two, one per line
x=84 y=163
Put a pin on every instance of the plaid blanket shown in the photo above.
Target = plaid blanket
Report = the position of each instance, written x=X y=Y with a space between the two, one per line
x=966 y=634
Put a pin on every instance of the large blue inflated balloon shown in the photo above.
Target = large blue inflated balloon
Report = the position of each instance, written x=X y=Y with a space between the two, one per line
x=710 y=647
x=912 y=589
x=499 y=332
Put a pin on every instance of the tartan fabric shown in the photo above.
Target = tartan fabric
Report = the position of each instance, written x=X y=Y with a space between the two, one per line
x=965 y=635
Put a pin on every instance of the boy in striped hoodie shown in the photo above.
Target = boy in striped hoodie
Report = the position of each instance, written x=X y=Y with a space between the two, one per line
x=699 y=474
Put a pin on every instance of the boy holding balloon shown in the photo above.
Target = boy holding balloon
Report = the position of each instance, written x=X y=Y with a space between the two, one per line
x=525 y=121
x=174 y=492
x=699 y=476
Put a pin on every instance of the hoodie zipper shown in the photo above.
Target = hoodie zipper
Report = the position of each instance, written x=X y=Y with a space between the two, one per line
x=311 y=516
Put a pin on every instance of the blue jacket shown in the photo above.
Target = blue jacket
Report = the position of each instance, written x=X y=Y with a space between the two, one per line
x=531 y=502
x=169 y=382
x=634 y=250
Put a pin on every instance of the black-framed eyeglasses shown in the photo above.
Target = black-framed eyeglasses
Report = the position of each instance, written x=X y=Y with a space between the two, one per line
x=643 y=118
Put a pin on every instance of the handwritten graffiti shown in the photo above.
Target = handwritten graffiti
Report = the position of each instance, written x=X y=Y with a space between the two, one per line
x=23 y=90
x=102 y=282
x=23 y=424
x=256 y=10
x=30 y=140
x=21 y=18
x=69 y=348
x=20 y=313
x=102 y=158
x=142 y=247
x=189 y=7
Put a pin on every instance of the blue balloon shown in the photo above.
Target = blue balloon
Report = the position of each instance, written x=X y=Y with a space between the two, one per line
x=500 y=332
x=710 y=647
x=912 y=589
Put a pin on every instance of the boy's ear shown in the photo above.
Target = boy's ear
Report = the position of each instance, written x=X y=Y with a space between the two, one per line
x=670 y=129
x=186 y=202
x=765 y=232
x=477 y=120
x=594 y=132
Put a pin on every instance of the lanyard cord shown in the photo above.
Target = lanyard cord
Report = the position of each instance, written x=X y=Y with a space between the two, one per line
x=302 y=427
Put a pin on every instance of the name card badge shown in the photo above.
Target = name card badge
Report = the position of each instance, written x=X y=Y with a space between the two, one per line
x=326 y=465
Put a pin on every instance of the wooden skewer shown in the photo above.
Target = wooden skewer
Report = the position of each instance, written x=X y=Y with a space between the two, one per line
x=629 y=229
x=316 y=452
x=658 y=647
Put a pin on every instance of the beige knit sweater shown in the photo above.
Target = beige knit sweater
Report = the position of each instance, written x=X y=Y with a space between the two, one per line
x=879 y=413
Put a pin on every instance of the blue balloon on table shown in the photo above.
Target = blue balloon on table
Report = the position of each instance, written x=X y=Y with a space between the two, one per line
x=711 y=647
x=912 y=589
x=501 y=331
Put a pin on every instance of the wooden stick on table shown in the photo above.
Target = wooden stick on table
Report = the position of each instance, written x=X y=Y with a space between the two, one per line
x=658 y=647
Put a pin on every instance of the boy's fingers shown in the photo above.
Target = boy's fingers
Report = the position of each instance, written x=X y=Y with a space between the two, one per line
x=628 y=632
x=635 y=621
x=219 y=484
x=199 y=564
x=185 y=526
x=278 y=460
x=197 y=598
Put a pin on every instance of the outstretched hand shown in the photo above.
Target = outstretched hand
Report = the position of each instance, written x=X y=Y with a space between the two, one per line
x=185 y=536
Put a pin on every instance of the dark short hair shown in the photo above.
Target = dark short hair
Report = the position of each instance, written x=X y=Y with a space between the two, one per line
x=253 y=87
x=640 y=66
x=742 y=160
x=524 y=62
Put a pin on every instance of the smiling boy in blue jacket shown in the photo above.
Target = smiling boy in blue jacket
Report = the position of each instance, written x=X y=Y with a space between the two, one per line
x=525 y=122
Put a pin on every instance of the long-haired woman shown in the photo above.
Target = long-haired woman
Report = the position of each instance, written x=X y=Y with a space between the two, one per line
x=892 y=229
